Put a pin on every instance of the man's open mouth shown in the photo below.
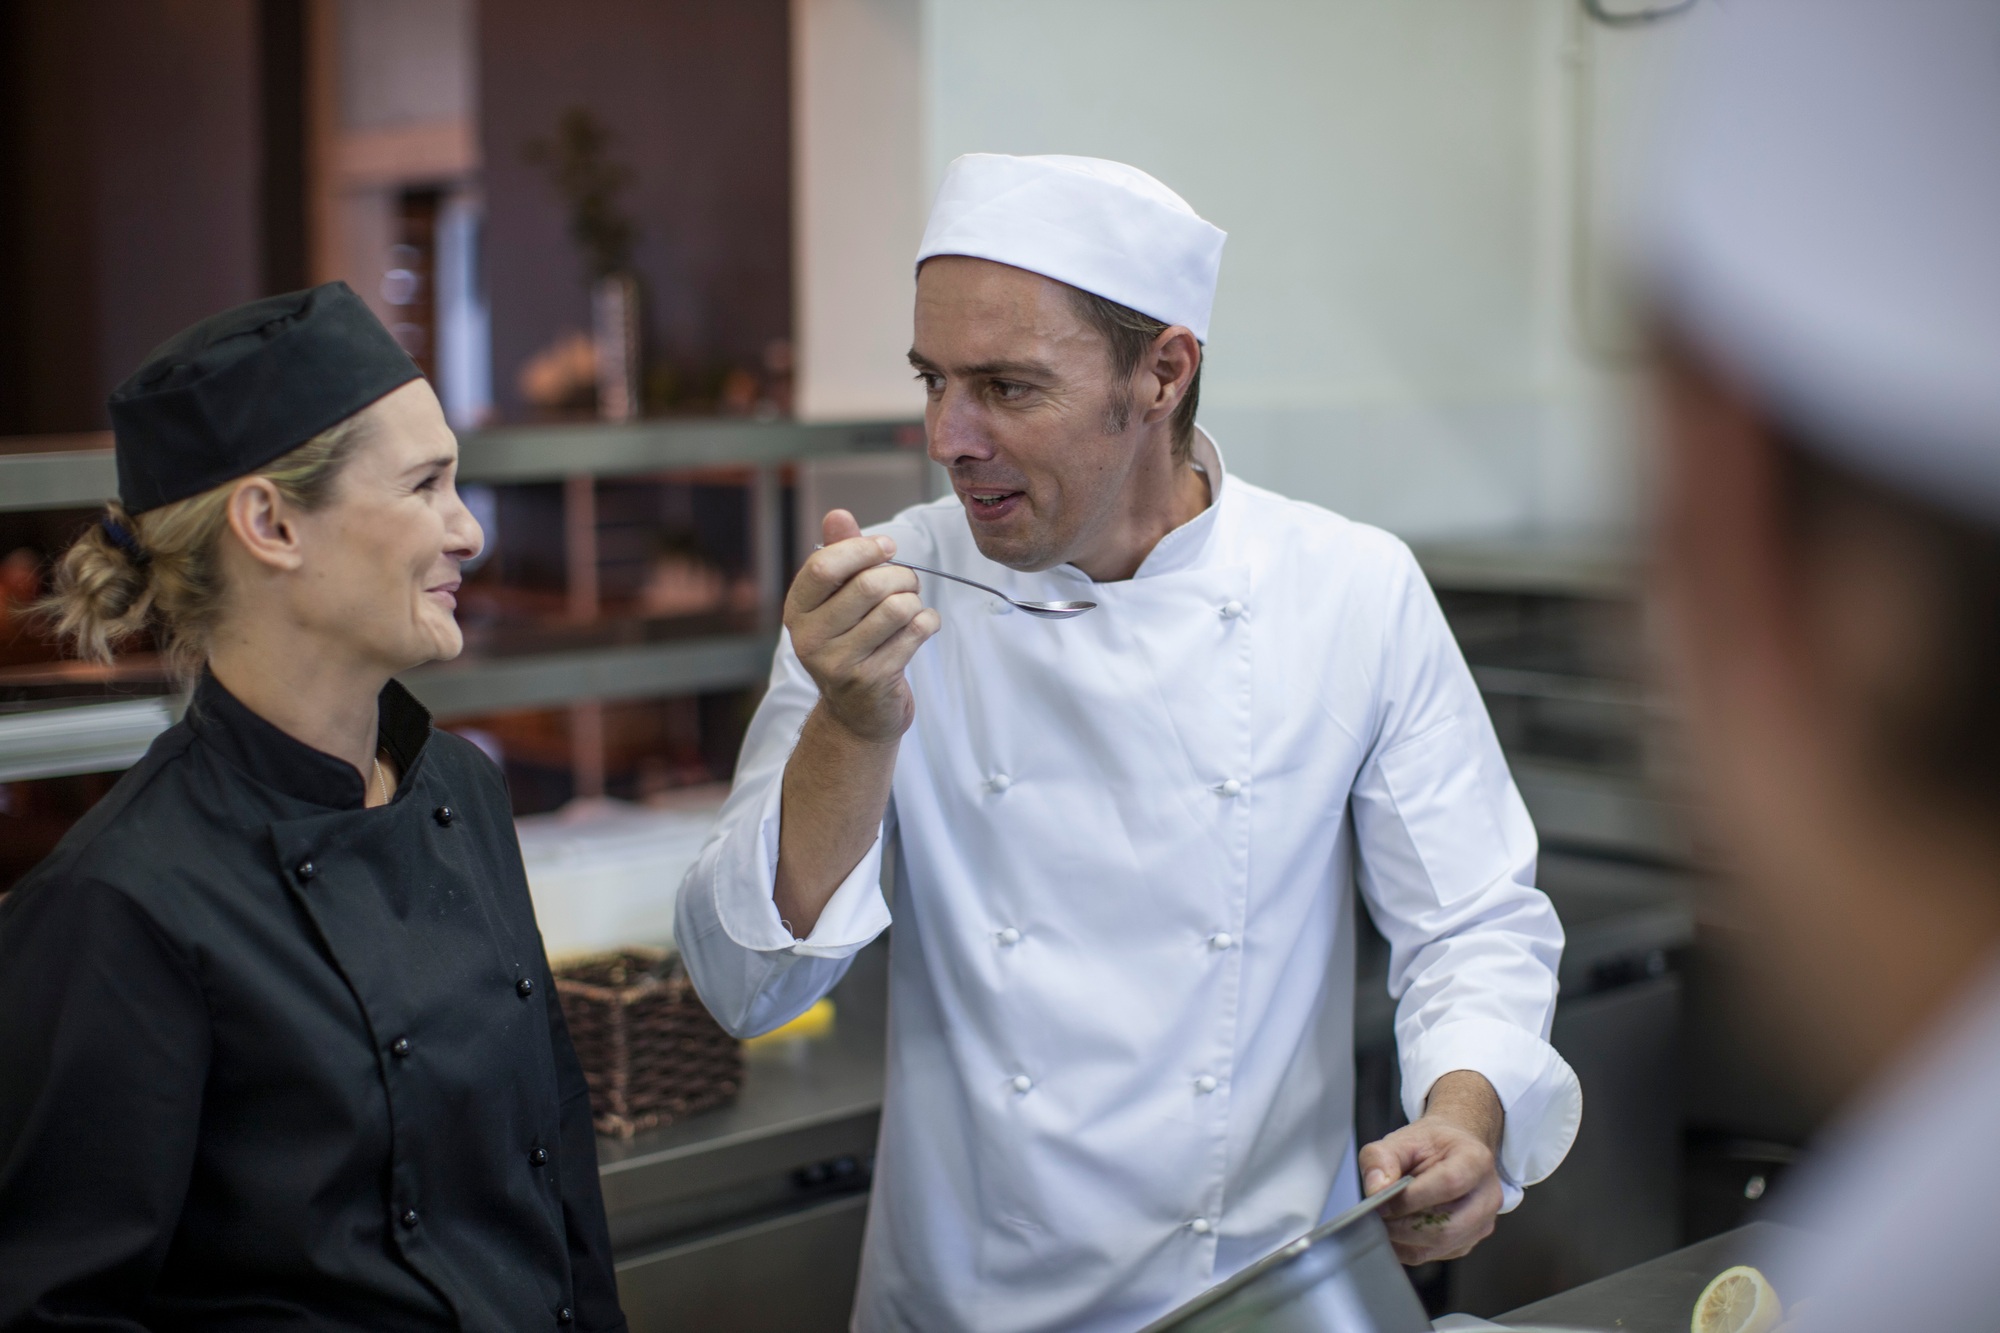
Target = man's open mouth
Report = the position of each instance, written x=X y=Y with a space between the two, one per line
x=990 y=499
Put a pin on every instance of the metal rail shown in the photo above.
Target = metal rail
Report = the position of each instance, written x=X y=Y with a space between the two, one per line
x=640 y=671
x=76 y=471
x=107 y=737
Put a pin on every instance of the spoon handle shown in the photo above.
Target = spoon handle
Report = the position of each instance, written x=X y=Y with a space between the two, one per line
x=922 y=569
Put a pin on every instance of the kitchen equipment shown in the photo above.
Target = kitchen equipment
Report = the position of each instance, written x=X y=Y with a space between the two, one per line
x=1339 y=1278
x=1047 y=610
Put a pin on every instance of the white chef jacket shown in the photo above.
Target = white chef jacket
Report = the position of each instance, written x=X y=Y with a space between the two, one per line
x=1896 y=1209
x=1120 y=1051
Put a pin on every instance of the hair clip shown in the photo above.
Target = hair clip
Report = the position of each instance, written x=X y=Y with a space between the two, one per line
x=122 y=538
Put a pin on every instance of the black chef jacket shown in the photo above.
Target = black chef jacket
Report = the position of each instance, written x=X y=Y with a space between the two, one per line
x=269 y=1059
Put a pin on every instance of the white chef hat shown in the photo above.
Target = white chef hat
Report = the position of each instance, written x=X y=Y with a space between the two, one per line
x=1825 y=219
x=1107 y=228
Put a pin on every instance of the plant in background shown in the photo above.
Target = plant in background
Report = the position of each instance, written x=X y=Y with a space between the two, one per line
x=589 y=182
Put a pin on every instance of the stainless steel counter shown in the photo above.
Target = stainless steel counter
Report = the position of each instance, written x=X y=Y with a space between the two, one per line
x=1657 y=1296
x=749 y=1217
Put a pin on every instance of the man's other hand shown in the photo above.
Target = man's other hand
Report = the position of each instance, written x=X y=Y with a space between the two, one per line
x=1452 y=1153
x=855 y=622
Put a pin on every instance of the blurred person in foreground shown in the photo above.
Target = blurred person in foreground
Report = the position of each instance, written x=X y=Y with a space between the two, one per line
x=1822 y=240
x=1121 y=1017
x=278 y=1044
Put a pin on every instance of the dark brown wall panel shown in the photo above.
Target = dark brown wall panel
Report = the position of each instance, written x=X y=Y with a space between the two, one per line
x=697 y=94
x=134 y=193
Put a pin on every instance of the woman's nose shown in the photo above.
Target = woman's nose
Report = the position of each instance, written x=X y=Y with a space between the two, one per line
x=465 y=538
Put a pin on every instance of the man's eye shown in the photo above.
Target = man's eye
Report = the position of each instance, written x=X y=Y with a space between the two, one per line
x=1008 y=390
x=932 y=383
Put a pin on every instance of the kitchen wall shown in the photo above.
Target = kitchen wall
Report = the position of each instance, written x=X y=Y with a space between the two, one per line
x=130 y=175
x=1394 y=333
x=859 y=200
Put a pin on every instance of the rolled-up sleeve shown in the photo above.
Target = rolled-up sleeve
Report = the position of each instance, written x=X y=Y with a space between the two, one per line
x=1447 y=868
x=750 y=970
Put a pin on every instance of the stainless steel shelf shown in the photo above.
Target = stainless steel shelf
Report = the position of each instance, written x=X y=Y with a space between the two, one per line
x=1582 y=565
x=638 y=671
x=94 y=738
x=1581 y=808
x=103 y=738
x=76 y=471
x=546 y=453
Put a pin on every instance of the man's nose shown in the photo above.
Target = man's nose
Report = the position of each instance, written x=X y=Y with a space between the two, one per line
x=957 y=433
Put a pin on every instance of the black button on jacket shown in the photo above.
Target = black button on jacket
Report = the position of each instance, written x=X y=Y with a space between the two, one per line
x=205 y=1121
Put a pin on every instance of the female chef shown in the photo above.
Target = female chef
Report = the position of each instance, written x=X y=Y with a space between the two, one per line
x=279 y=1042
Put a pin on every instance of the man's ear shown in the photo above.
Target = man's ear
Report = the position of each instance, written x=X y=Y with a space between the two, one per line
x=265 y=524
x=1171 y=361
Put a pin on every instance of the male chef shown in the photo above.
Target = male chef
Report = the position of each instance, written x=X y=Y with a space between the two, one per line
x=1822 y=242
x=1128 y=843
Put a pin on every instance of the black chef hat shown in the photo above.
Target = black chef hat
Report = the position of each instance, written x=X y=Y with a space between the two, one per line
x=223 y=398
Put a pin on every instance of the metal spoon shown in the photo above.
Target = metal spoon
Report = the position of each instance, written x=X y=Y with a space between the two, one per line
x=1047 y=610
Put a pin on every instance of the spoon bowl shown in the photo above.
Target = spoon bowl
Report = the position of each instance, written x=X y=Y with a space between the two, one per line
x=1046 y=610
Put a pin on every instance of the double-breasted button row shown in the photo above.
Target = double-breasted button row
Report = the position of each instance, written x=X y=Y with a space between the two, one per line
x=1009 y=936
x=999 y=782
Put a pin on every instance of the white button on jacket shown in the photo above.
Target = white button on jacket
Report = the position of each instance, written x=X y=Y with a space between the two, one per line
x=1172 y=929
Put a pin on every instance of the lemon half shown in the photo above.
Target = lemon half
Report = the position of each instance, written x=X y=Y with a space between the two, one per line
x=1738 y=1301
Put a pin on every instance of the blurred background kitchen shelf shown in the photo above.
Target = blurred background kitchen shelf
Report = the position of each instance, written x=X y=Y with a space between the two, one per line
x=618 y=627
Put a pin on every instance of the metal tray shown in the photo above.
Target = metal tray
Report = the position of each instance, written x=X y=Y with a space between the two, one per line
x=1342 y=1277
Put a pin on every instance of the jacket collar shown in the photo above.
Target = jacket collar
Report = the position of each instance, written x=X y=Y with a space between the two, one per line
x=261 y=750
x=1185 y=547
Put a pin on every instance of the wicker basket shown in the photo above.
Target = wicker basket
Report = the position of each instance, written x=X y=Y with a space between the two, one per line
x=650 y=1051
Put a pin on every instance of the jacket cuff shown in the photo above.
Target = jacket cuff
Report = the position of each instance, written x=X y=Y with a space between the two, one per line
x=853 y=917
x=1537 y=1089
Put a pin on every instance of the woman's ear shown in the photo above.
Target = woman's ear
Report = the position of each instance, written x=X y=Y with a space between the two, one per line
x=264 y=524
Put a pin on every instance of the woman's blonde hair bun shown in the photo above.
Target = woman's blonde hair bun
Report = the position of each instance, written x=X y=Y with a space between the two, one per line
x=160 y=570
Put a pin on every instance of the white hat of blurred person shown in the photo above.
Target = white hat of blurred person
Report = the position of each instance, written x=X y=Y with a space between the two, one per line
x=1824 y=221
x=1102 y=226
